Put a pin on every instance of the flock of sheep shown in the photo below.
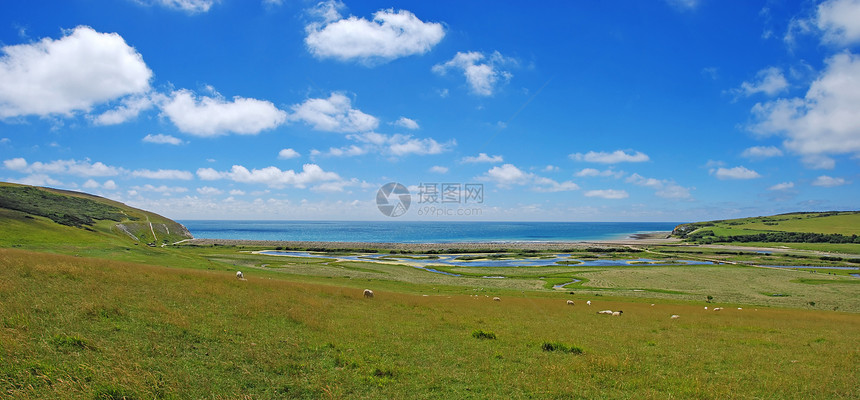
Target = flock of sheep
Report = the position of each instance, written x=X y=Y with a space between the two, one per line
x=368 y=294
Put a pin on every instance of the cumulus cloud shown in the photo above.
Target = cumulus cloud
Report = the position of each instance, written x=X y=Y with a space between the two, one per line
x=508 y=175
x=769 y=81
x=439 y=169
x=66 y=167
x=163 y=189
x=828 y=181
x=610 y=194
x=837 y=19
x=407 y=123
x=213 y=116
x=761 y=152
x=826 y=120
x=664 y=188
x=334 y=114
x=209 y=191
x=617 y=156
x=70 y=74
x=162 y=139
x=390 y=35
x=482 y=73
x=189 y=6
x=271 y=176
x=346 y=151
x=482 y=158
x=739 y=172
x=400 y=145
x=286 y=154
x=128 y=109
x=592 y=172
x=163 y=174
x=782 y=186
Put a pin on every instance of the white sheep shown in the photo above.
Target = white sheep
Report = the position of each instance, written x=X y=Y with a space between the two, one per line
x=570 y=302
x=239 y=275
x=588 y=302
x=368 y=294
x=718 y=309
x=675 y=316
x=617 y=313
x=496 y=299
x=608 y=312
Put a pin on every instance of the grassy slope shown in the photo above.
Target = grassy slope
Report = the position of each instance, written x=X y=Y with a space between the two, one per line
x=34 y=228
x=76 y=327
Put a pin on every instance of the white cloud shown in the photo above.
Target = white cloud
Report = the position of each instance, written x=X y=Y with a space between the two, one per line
x=163 y=174
x=401 y=145
x=827 y=181
x=390 y=35
x=237 y=192
x=591 y=172
x=761 y=152
x=407 y=123
x=739 y=172
x=782 y=186
x=826 y=120
x=838 y=20
x=818 y=161
x=70 y=74
x=611 y=194
x=213 y=116
x=271 y=176
x=439 y=169
x=5 y=140
x=347 y=151
x=209 y=191
x=550 y=168
x=67 y=167
x=189 y=6
x=162 y=139
x=666 y=189
x=769 y=81
x=163 y=189
x=617 y=156
x=482 y=73
x=507 y=175
x=286 y=154
x=91 y=184
x=110 y=185
x=482 y=158
x=128 y=109
x=38 y=180
x=334 y=114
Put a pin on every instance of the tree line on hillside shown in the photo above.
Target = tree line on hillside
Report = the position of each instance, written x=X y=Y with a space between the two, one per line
x=708 y=236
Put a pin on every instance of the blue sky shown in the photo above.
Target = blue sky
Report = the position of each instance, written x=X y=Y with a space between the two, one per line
x=663 y=110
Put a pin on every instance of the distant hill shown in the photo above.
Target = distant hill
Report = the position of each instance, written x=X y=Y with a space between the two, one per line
x=801 y=227
x=30 y=214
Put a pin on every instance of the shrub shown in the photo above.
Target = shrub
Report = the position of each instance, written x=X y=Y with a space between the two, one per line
x=561 y=347
x=480 y=334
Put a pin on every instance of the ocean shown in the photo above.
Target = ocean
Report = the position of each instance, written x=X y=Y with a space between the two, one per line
x=420 y=232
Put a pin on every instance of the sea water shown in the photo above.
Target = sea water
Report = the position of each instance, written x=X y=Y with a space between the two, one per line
x=420 y=231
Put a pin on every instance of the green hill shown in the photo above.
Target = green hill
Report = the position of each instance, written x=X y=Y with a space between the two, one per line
x=805 y=227
x=33 y=216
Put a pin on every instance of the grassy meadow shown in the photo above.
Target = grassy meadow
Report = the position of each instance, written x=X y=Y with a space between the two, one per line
x=77 y=327
x=89 y=311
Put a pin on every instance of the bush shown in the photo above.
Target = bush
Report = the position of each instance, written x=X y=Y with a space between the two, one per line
x=480 y=334
x=561 y=347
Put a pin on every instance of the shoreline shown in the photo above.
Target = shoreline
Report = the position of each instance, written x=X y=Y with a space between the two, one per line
x=650 y=238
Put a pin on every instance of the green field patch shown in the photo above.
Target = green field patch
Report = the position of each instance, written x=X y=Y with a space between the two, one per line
x=811 y=281
x=359 y=266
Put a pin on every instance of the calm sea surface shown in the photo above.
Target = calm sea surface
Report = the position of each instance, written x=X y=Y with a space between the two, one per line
x=420 y=232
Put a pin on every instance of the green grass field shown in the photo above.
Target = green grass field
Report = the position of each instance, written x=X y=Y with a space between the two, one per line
x=90 y=312
x=76 y=327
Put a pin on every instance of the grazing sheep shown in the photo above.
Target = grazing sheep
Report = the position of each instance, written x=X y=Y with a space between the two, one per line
x=706 y=307
x=718 y=309
x=675 y=316
x=608 y=312
x=570 y=302
x=588 y=302
x=239 y=275
x=368 y=294
x=740 y=308
x=496 y=299
x=617 y=313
